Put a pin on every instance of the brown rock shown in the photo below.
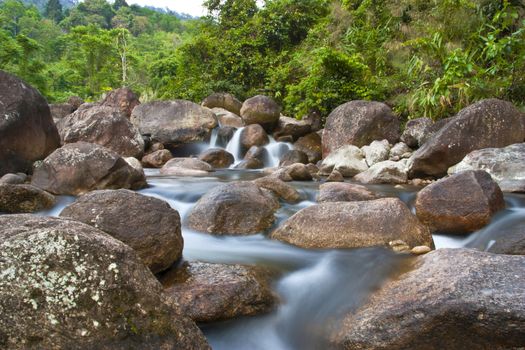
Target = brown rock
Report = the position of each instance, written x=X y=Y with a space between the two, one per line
x=60 y=110
x=253 y=135
x=186 y=167
x=344 y=192
x=510 y=240
x=311 y=145
x=13 y=179
x=157 y=159
x=291 y=127
x=227 y=118
x=279 y=188
x=415 y=131
x=75 y=101
x=292 y=157
x=217 y=158
x=262 y=110
x=335 y=176
x=156 y=147
x=223 y=100
x=24 y=199
x=122 y=99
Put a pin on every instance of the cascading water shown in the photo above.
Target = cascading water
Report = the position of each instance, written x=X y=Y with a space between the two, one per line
x=234 y=146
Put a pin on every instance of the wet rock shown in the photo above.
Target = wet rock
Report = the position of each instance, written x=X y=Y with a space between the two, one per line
x=174 y=123
x=227 y=118
x=81 y=167
x=292 y=157
x=60 y=110
x=157 y=159
x=253 y=135
x=359 y=123
x=238 y=208
x=223 y=100
x=505 y=165
x=262 y=110
x=399 y=151
x=376 y=152
x=291 y=127
x=485 y=124
x=461 y=203
x=348 y=160
x=146 y=224
x=298 y=172
x=213 y=292
x=399 y=246
x=452 y=299
x=27 y=131
x=13 y=179
x=387 y=172
x=257 y=153
x=279 y=188
x=217 y=158
x=186 y=167
x=335 y=176
x=251 y=163
x=415 y=131
x=24 y=199
x=344 y=192
x=311 y=145
x=353 y=225
x=105 y=126
x=123 y=99
x=225 y=134
x=67 y=285
x=510 y=240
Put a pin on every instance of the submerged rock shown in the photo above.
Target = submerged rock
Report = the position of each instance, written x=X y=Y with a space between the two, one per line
x=24 y=199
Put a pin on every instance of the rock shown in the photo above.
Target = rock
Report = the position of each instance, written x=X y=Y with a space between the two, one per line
x=279 y=188
x=214 y=292
x=335 y=176
x=376 y=152
x=485 y=124
x=510 y=240
x=75 y=101
x=186 y=167
x=223 y=100
x=434 y=128
x=348 y=160
x=13 y=179
x=174 y=123
x=344 y=192
x=335 y=225
x=238 y=208
x=251 y=163
x=105 y=126
x=227 y=118
x=399 y=246
x=451 y=299
x=505 y=165
x=315 y=120
x=81 y=167
x=259 y=153
x=135 y=164
x=27 y=131
x=67 y=285
x=87 y=105
x=217 y=158
x=24 y=199
x=298 y=172
x=461 y=203
x=285 y=139
x=291 y=127
x=262 y=110
x=146 y=224
x=311 y=145
x=157 y=159
x=292 y=157
x=225 y=134
x=123 y=99
x=60 y=110
x=387 y=172
x=359 y=123
x=399 y=151
x=253 y=135
x=420 y=250
x=415 y=131
x=155 y=147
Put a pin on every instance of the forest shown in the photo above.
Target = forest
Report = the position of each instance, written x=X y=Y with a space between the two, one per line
x=423 y=58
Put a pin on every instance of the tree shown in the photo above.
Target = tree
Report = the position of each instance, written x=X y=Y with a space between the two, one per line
x=53 y=10
x=120 y=3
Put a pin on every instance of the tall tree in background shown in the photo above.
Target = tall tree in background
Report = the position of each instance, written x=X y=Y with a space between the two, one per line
x=120 y=3
x=53 y=10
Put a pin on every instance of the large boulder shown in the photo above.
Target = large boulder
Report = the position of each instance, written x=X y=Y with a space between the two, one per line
x=415 y=131
x=461 y=203
x=238 y=208
x=186 y=167
x=67 y=285
x=344 y=192
x=452 y=299
x=217 y=158
x=146 y=224
x=359 y=123
x=174 y=123
x=354 y=225
x=27 y=131
x=105 y=126
x=387 y=172
x=291 y=127
x=292 y=157
x=348 y=160
x=485 y=124
x=262 y=110
x=253 y=135
x=311 y=145
x=123 y=99
x=505 y=165
x=24 y=199
x=214 y=292
x=81 y=167
x=223 y=100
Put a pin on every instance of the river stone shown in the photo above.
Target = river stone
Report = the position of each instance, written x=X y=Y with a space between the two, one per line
x=335 y=225
x=297 y=172
x=487 y=123
x=24 y=199
x=335 y=176
x=293 y=156
x=387 y=172
x=67 y=285
x=348 y=160
x=105 y=126
x=217 y=158
x=262 y=110
x=452 y=299
x=279 y=188
x=291 y=127
x=174 y=123
x=253 y=135
x=157 y=159
x=227 y=118
x=81 y=167
x=311 y=145
x=186 y=167
x=462 y=203
x=27 y=131
x=224 y=101
x=415 y=131
x=505 y=165
x=400 y=150
x=359 y=123
x=251 y=163
x=123 y=99
x=215 y=292
x=344 y=192
x=146 y=224
x=376 y=152
x=238 y=208
x=13 y=179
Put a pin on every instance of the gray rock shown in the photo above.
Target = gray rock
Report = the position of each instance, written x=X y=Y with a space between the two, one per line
x=186 y=167
x=227 y=118
x=344 y=192
x=13 y=179
x=348 y=160
x=376 y=152
x=291 y=127
x=400 y=150
x=387 y=172
x=415 y=131
x=223 y=100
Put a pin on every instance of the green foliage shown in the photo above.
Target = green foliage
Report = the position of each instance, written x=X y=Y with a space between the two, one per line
x=53 y=10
